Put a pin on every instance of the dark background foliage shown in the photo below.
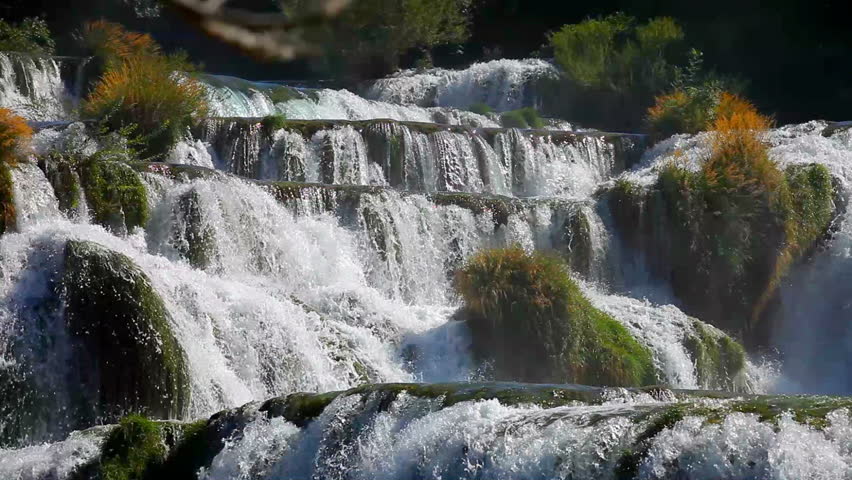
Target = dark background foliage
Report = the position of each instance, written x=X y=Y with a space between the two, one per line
x=796 y=54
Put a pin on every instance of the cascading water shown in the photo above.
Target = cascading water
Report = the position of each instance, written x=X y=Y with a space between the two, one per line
x=501 y=84
x=329 y=266
x=33 y=87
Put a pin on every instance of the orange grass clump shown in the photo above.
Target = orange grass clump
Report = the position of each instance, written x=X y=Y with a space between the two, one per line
x=112 y=42
x=14 y=135
x=739 y=158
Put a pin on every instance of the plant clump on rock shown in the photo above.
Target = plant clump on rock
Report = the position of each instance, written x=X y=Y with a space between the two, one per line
x=532 y=322
x=726 y=233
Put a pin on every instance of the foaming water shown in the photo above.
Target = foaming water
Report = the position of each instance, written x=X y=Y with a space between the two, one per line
x=501 y=84
x=53 y=461
x=365 y=436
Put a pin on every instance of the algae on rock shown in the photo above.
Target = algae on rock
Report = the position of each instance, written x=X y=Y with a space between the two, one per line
x=127 y=358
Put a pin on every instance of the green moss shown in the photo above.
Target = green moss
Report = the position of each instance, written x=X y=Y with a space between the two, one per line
x=522 y=118
x=132 y=449
x=282 y=94
x=115 y=193
x=126 y=355
x=272 y=123
x=480 y=108
x=7 y=199
x=532 y=321
x=718 y=358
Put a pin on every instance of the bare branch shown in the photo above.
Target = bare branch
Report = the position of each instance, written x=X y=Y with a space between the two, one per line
x=269 y=35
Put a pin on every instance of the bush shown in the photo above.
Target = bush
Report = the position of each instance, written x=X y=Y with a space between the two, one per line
x=529 y=318
x=147 y=93
x=522 y=118
x=271 y=123
x=613 y=67
x=112 y=43
x=30 y=36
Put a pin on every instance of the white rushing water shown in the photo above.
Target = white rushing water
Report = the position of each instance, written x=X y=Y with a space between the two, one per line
x=417 y=438
x=32 y=87
x=509 y=162
x=238 y=98
x=501 y=84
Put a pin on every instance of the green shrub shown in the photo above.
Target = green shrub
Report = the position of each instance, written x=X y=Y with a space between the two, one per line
x=480 y=108
x=7 y=199
x=522 y=118
x=529 y=317
x=30 y=36
x=613 y=66
x=271 y=123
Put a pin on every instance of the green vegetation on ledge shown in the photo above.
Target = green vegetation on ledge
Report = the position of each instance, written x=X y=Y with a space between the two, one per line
x=522 y=118
x=530 y=319
x=727 y=234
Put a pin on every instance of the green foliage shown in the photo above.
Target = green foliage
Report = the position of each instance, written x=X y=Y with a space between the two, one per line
x=726 y=234
x=532 y=320
x=615 y=53
x=132 y=449
x=29 y=36
x=370 y=35
x=282 y=94
x=115 y=193
x=480 y=108
x=271 y=123
x=127 y=356
x=613 y=66
x=522 y=118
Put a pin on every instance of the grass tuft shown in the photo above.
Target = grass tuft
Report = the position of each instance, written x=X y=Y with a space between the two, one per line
x=530 y=318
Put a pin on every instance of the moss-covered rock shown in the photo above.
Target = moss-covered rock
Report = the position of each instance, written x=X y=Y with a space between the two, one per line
x=127 y=358
x=719 y=359
x=530 y=319
x=191 y=237
x=61 y=173
x=725 y=250
x=7 y=199
x=115 y=193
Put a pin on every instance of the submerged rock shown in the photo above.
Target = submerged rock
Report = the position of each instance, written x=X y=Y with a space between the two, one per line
x=127 y=358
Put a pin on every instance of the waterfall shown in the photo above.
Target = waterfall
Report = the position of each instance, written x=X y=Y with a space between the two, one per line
x=305 y=275
x=420 y=157
x=33 y=87
x=501 y=84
